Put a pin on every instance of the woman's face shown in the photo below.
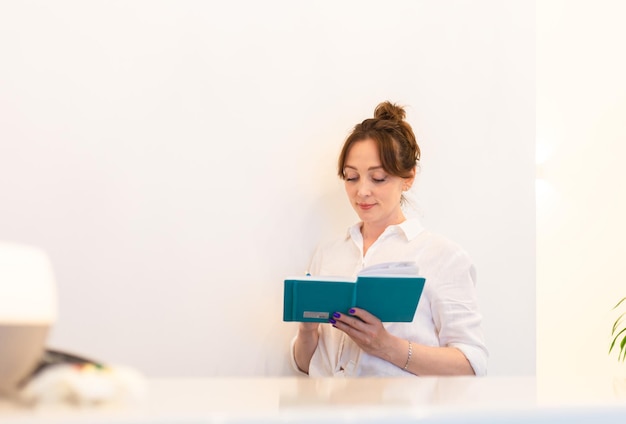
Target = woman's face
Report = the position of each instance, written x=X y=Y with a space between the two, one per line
x=373 y=193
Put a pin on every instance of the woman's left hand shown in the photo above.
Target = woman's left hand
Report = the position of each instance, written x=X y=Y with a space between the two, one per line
x=366 y=330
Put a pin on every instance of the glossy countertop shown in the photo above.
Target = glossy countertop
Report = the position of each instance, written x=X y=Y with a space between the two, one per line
x=346 y=400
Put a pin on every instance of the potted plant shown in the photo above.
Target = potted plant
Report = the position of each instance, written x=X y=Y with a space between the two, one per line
x=619 y=333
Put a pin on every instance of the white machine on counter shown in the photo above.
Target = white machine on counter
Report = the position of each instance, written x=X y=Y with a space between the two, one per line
x=28 y=309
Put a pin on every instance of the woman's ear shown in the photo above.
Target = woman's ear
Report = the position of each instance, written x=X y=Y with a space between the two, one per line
x=408 y=181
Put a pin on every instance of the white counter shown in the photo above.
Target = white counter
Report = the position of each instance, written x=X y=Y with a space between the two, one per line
x=383 y=400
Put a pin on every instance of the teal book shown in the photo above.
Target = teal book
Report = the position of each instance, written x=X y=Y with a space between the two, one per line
x=390 y=291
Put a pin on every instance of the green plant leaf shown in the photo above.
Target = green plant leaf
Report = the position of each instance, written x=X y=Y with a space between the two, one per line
x=622 y=351
x=617 y=322
x=619 y=303
x=623 y=342
x=618 y=332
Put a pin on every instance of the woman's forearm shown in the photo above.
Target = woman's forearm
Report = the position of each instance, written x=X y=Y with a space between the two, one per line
x=304 y=347
x=428 y=360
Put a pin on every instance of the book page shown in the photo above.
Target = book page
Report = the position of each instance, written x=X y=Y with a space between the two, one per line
x=390 y=268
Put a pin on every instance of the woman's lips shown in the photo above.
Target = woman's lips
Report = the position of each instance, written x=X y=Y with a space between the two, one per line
x=365 y=206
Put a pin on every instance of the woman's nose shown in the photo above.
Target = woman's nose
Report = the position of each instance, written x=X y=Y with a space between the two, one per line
x=364 y=189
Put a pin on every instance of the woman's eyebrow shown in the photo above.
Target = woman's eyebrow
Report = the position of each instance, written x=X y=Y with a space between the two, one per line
x=371 y=168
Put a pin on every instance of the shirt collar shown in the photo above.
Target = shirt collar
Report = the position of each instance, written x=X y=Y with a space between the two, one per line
x=410 y=228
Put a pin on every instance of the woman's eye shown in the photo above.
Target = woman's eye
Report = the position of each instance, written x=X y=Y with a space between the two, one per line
x=351 y=177
x=379 y=180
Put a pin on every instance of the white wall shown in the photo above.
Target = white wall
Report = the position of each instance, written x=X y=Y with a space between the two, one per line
x=177 y=160
x=581 y=201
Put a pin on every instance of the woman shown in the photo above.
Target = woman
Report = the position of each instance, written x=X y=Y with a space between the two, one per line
x=378 y=164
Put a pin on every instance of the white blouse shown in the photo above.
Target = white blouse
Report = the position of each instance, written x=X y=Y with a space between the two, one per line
x=447 y=313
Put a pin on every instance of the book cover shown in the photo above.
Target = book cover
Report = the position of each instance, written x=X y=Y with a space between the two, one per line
x=390 y=291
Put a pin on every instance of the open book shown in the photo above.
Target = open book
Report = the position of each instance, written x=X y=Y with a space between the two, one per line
x=390 y=291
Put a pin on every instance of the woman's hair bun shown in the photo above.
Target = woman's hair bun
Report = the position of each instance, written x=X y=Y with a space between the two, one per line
x=389 y=111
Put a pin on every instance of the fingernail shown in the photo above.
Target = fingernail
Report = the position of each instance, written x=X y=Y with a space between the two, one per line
x=332 y=321
x=336 y=314
x=352 y=311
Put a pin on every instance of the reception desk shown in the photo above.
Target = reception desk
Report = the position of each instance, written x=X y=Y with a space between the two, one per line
x=371 y=400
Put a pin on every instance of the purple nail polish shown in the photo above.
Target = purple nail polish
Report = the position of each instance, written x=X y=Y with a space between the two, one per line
x=352 y=311
x=332 y=321
x=336 y=314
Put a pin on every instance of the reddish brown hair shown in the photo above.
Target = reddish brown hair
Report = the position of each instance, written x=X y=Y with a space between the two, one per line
x=397 y=146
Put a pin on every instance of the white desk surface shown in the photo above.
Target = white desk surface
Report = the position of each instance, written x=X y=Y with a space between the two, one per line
x=381 y=400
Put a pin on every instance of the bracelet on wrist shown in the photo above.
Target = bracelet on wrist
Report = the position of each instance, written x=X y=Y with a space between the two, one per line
x=408 y=358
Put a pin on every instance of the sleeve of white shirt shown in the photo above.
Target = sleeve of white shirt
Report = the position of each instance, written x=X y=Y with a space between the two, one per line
x=455 y=310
